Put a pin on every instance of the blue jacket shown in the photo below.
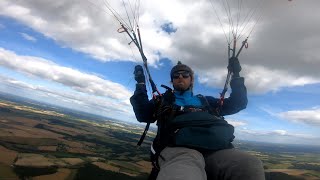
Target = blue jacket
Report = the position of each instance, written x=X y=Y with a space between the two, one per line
x=144 y=108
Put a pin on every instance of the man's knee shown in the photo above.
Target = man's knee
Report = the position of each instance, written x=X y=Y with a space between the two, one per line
x=180 y=154
x=247 y=160
x=249 y=167
x=181 y=163
x=234 y=164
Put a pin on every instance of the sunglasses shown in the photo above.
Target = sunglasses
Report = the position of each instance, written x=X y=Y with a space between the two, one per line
x=176 y=75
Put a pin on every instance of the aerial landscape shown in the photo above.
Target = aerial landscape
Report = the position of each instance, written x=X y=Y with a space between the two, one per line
x=36 y=142
x=69 y=70
x=39 y=141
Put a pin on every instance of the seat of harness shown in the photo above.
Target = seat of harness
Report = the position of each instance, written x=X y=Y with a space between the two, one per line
x=187 y=109
x=194 y=117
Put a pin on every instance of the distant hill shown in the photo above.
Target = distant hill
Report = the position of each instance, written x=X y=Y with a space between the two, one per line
x=276 y=147
x=52 y=107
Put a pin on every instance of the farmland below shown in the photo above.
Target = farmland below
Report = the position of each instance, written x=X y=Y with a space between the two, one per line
x=43 y=143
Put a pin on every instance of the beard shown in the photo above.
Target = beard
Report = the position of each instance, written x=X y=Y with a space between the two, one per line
x=181 y=87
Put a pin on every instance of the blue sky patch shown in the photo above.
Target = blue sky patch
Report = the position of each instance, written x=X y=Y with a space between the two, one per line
x=168 y=28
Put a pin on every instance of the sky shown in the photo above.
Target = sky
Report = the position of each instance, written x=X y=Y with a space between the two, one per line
x=69 y=53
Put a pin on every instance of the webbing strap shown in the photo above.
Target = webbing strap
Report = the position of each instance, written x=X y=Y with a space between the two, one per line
x=143 y=134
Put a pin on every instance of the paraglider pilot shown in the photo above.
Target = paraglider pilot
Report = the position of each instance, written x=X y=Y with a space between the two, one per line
x=193 y=140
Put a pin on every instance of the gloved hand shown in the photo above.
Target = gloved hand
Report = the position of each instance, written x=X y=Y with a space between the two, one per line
x=165 y=103
x=234 y=66
x=138 y=74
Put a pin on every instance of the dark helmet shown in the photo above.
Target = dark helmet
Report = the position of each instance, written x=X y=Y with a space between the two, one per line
x=180 y=67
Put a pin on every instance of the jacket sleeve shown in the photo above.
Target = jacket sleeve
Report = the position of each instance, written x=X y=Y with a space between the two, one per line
x=237 y=100
x=142 y=106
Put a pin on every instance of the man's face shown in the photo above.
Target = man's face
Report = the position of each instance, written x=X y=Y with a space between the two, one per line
x=181 y=80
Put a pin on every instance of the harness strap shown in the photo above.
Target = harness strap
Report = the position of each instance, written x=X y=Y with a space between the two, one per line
x=163 y=137
x=161 y=143
x=143 y=134
x=205 y=101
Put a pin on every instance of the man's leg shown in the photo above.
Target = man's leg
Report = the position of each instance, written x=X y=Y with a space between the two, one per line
x=233 y=164
x=181 y=164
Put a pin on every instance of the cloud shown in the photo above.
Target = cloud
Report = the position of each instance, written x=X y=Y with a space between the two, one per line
x=236 y=123
x=281 y=47
x=71 y=98
x=244 y=131
x=258 y=79
x=86 y=27
x=278 y=132
x=310 y=117
x=28 y=37
x=277 y=136
x=74 y=79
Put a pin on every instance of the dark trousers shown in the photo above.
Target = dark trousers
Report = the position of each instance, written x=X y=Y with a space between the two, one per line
x=233 y=164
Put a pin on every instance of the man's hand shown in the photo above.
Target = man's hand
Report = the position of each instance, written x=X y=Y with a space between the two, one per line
x=234 y=66
x=139 y=75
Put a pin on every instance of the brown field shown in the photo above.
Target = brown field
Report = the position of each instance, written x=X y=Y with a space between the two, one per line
x=33 y=160
x=50 y=140
x=7 y=156
x=62 y=173
x=107 y=166
x=6 y=172
x=73 y=161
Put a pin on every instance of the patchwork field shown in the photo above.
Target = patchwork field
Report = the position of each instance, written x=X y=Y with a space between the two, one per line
x=44 y=144
x=50 y=145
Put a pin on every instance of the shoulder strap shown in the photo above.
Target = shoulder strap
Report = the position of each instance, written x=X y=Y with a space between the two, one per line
x=163 y=104
x=205 y=103
x=143 y=134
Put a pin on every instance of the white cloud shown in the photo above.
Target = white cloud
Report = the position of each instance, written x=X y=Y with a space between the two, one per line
x=310 y=116
x=280 y=50
x=278 y=132
x=277 y=136
x=45 y=69
x=90 y=103
x=243 y=131
x=258 y=79
x=237 y=123
x=28 y=37
x=86 y=27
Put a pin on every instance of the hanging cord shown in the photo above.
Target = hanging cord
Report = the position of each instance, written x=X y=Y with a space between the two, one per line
x=138 y=43
x=216 y=13
x=249 y=17
x=236 y=30
x=133 y=31
x=230 y=73
x=133 y=27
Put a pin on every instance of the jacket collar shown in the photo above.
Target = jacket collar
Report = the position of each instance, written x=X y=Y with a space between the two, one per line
x=187 y=93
